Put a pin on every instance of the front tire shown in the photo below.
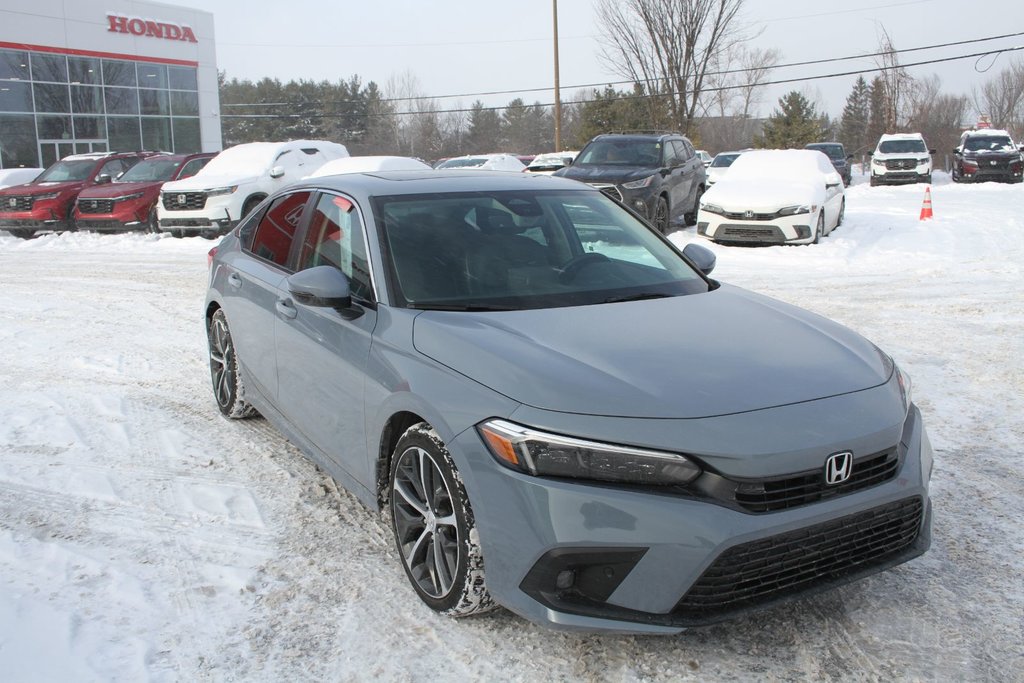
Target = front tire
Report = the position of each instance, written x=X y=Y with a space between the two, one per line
x=434 y=526
x=661 y=215
x=23 y=233
x=819 y=227
x=153 y=225
x=227 y=381
x=842 y=214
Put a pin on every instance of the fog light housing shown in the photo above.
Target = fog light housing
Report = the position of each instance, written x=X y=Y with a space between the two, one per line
x=702 y=228
x=802 y=231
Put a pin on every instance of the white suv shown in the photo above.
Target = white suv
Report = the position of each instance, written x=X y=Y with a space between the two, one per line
x=901 y=158
x=235 y=181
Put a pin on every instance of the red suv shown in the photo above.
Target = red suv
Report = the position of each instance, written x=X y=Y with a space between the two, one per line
x=48 y=202
x=129 y=202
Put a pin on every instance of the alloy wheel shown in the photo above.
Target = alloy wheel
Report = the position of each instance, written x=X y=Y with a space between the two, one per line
x=425 y=522
x=222 y=365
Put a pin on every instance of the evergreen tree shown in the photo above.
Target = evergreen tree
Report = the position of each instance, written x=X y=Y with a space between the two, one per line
x=878 y=109
x=853 y=126
x=794 y=124
x=484 y=130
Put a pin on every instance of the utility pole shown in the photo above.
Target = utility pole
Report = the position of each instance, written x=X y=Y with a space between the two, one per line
x=558 y=97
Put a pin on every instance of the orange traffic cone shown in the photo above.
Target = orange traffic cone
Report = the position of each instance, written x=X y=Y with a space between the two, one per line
x=926 y=208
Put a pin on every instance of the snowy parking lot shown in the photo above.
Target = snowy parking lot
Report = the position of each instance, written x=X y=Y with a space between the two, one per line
x=143 y=536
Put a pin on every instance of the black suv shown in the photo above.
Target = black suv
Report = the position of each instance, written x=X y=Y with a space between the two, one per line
x=987 y=154
x=836 y=153
x=658 y=175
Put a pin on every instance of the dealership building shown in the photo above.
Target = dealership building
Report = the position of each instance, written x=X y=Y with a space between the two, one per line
x=117 y=75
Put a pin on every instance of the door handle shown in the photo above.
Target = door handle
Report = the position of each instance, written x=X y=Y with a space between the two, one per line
x=234 y=280
x=285 y=309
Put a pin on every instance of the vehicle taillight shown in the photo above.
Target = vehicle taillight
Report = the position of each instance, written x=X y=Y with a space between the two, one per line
x=209 y=257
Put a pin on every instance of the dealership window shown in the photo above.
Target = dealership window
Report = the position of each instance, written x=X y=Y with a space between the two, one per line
x=18 y=146
x=45 y=67
x=84 y=70
x=119 y=73
x=14 y=65
x=156 y=133
x=52 y=105
x=15 y=96
x=51 y=97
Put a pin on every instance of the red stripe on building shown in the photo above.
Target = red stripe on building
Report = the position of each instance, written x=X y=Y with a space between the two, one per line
x=94 y=53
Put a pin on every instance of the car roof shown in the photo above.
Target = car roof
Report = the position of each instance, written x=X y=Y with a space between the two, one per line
x=984 y=132
x=451 y=180
x=637 y=136
x=901 y=136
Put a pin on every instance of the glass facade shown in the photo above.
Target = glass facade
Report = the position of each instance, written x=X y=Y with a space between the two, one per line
x=52 y=105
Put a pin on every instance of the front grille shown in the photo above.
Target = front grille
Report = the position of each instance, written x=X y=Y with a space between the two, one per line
x=798 y=559
x=810 y=487
x=187 y=223
x=96 y=205
x=610 y=190
x=900 y=164
x=750 y=216
x=184 y=201
x=18 y=203
x=751 y=233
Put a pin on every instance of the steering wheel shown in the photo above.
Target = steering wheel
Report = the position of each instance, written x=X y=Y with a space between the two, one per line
x=568 y=272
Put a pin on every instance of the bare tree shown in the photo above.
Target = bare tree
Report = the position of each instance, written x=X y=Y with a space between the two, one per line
x=1002 y=98
x=897 y=81
x=938 y=116
x=734 y=89
x=668 y=46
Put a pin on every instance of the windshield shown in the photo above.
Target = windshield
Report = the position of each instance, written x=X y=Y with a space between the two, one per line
x=834 y=152
x=902 y=147
x=242 y=160
x=522 y=250
x=724 y=160
x=463 y=163
x=65 y=171
x=622 y=153
x=989 y=143
x=149 y=170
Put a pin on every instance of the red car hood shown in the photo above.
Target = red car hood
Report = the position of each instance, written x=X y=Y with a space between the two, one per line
x=41 y=188
x=118 y=189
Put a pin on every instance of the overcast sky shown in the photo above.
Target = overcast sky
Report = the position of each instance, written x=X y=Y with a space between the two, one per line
x=464 y=47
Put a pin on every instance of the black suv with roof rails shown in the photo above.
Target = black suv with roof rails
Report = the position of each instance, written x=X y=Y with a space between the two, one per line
x=987 y=154
x=656 y=174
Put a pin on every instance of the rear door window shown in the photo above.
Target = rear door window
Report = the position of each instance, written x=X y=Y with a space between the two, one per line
x=273 y=236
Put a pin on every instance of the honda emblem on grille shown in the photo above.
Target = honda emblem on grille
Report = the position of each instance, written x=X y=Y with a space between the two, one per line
x=748 y=214
x=181 y=199
x=838 y=468
x=13 y=201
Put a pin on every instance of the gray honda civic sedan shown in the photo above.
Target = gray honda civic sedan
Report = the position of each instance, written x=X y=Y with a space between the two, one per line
x=559 y=411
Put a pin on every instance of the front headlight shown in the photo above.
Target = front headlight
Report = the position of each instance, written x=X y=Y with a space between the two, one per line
x=639 y=184
x=126 y=197
x=903 y=379
x=51 y=195
x=876 y=162
x=713 y=208
x=542 y=454
x=217 y=191
x=794 y=210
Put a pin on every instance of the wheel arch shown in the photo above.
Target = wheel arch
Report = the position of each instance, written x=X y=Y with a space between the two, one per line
x=392 y=431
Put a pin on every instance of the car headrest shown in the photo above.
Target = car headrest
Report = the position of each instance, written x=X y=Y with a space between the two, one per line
x=494 y=221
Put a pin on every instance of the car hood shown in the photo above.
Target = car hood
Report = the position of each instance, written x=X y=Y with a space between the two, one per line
x=740 y=194
x=606 y=174
x=727 y=351
x=117 y=189
x=993 y=155
x=42 y=188
x=206 y=182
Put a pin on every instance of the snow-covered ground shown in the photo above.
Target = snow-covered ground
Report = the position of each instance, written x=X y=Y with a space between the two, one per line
x=142 y=536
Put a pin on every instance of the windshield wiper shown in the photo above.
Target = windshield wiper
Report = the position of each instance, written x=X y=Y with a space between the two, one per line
x=637 y=297
x=467 y=307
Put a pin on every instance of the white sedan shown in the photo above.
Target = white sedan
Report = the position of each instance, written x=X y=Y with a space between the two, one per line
x=484 y=162
x=791 y=196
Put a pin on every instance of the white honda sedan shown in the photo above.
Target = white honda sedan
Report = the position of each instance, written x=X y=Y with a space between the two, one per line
x=791 y=196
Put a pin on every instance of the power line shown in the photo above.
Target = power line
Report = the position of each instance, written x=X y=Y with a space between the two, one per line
x=812 y=62
x=629 y=97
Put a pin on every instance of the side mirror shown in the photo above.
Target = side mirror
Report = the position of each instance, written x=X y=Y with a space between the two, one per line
x=321 y=286
x=102 y=179
x=931 y=151
x=702 y=257
x=277 y=172
x=833 y=179
x=849 y=157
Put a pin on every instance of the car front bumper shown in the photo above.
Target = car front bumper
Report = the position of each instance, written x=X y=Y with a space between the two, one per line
x=797 y=229
x=600 y=557
x=219 y=213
